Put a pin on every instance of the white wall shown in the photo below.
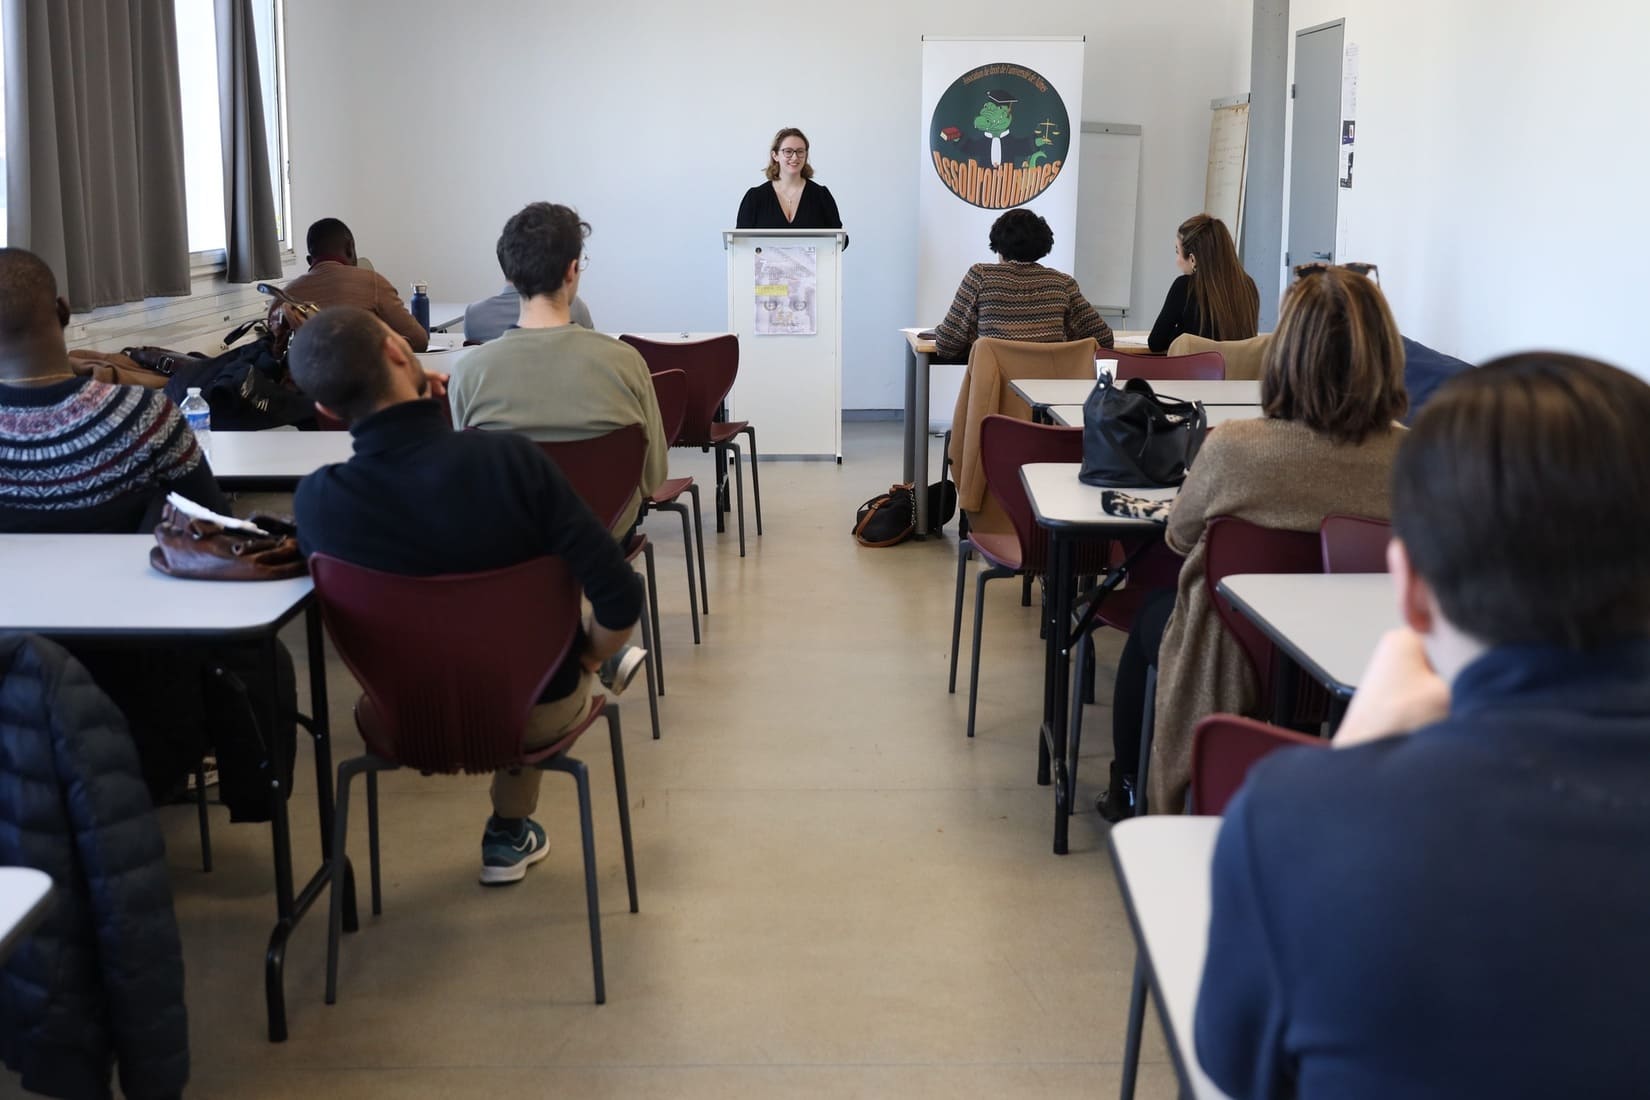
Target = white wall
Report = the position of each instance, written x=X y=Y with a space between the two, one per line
x=1501 y=169
x=426 y=123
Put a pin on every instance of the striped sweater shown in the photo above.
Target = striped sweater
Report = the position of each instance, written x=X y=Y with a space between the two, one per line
x=1018 y=301
x=88 y=456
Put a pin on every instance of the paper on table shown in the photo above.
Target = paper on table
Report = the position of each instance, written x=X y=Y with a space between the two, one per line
x=197 y=511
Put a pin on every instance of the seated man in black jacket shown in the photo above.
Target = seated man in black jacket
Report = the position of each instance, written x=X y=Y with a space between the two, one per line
x=421 y=499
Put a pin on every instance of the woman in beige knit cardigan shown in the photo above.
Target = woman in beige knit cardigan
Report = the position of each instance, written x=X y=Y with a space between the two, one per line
x=1332 y=390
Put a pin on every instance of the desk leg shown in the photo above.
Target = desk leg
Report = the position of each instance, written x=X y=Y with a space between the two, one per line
x=285 y=913
x=1051 y=739
x=919 y=475
x=1137 y=1022
x=1051 y=650
x=290 y=909
x=912 y=434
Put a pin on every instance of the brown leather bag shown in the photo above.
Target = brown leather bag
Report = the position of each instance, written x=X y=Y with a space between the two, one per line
x=285 y=317
x=202 y=550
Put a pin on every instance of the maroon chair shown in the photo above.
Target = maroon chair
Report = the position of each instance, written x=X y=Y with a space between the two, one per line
x=711 y=367
x=1237 y=546
x=1225 y=747
x=670 y=387
x=1354 y=544
x=1204 y=366
x=605 y=471
x=451 y=668
x=1006 y=444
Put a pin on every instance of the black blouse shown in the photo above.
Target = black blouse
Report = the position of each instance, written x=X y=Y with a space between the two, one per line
x=816 y=209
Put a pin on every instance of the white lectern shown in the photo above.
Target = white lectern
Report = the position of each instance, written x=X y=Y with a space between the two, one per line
x=785 y=305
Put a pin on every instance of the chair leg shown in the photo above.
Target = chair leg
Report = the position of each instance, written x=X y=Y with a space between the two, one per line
x=1137 y=1020
x=205 y=821
x=652 y=687
x=1025 y=590
x=965 y=551
x=581 y=777
x=372 y=842
x=347 y=771
x=756 y=479
x=699 y=540
x=687 y=553
x=1074 y=739
x=615 y=737
x=739 y=491
x=657 y=650
x=979 y=622
x=1148 y=723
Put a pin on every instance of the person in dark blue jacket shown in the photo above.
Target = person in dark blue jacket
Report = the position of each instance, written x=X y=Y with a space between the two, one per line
x=1458 y=903
x=100 y=982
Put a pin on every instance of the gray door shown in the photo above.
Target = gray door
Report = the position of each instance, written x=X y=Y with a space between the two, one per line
x=1315 y=140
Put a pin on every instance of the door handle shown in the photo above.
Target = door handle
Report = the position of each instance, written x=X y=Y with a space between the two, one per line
x=1323 y=256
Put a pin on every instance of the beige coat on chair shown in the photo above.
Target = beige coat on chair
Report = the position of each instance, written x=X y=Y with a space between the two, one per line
x=1275 y=473
x=992 y=365
x=1244 y=358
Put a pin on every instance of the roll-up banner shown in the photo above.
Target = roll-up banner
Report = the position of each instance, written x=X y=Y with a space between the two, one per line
x=1001 y=122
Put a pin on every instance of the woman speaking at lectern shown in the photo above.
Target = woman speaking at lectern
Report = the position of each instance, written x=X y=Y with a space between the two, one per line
x=791 y=199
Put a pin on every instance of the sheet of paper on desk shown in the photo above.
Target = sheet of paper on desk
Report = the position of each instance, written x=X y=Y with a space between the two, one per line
x=197 y=511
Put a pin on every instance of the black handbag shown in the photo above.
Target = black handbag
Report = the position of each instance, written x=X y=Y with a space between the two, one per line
x=1132 y=438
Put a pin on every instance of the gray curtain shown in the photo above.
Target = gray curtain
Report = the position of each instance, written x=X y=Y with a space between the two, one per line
x=95 y=182
x=253 y=246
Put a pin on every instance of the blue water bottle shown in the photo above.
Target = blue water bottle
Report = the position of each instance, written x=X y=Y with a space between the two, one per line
x=421 y=305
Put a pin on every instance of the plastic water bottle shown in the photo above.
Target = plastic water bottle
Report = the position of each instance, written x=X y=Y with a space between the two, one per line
x=421 y=305
x=198 y=414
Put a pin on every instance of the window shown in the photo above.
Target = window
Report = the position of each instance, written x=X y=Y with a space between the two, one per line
x=202 y=135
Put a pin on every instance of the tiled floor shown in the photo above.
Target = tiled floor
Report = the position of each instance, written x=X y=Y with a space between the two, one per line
x=840 y=894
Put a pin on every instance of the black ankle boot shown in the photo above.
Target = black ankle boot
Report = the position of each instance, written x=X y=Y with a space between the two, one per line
x=1116 y=803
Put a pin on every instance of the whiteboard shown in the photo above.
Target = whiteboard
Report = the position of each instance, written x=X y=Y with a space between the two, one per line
x=1108 y=189
x=1228 y=149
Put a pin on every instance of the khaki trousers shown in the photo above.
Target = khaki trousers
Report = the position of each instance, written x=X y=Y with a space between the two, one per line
x=516 y=790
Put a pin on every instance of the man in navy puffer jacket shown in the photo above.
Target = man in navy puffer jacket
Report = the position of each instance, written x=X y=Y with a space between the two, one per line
x=100 y=982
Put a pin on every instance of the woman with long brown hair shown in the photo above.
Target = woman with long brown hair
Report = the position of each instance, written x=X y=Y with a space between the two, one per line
x=1213 y=297
x=1332 y=392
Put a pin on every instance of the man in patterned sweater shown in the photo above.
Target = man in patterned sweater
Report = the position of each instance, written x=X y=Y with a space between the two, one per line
x=77 y=455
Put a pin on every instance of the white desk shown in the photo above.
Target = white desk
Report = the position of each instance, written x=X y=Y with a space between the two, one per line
x=919 y=358
x=102 y=589
x=1074 y=391
x=278 y=460
x=1070 y=512
x=1163 y=870
x=104 y=586
x=1329 y=624
x=1071 y=416
x=1058 y=499
x=25 y=895
x=448 y=315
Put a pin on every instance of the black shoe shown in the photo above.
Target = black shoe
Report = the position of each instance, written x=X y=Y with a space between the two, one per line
x=1116 y=803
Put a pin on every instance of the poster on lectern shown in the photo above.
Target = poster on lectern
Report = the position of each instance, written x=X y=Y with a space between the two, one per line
x=1001 y=123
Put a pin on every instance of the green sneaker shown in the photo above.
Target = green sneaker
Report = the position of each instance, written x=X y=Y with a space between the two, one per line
x=506 y=854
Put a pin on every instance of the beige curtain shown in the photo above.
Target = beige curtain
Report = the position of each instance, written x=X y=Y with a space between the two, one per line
x=95 y=182
x=253 y=248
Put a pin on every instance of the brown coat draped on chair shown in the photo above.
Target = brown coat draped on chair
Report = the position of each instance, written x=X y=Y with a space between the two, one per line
x=992 y=365
x=1275 y=473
